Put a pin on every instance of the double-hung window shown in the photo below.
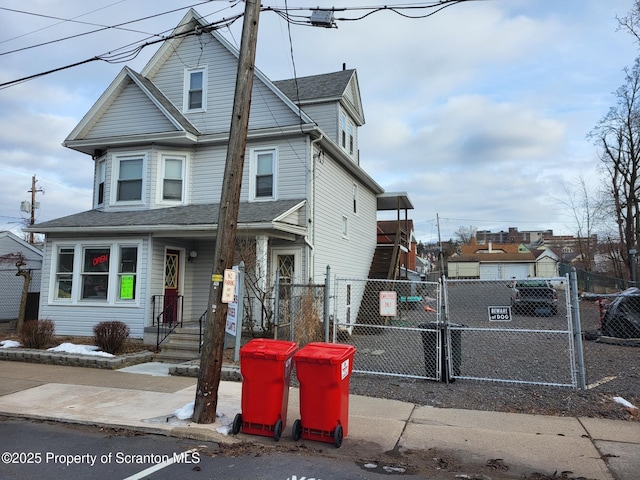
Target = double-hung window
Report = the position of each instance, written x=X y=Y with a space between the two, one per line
x=173 y=178
x=102 y=175
x=195 y=89
x=64 y=274
x=263 y=174
x=130 y=178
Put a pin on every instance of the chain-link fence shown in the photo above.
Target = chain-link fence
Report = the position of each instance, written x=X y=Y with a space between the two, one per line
x=392 y=324
x=300 y=313
x=517 y=331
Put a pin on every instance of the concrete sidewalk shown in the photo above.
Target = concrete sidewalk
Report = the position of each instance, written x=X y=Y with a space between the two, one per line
x=144 y=398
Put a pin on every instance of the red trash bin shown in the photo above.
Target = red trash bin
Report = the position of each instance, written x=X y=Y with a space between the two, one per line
x=265 y=366
x=323 y=371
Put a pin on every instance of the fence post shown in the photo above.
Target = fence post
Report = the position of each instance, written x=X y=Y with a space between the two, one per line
x=327 y=287
x=276 y=305
x=577 y=328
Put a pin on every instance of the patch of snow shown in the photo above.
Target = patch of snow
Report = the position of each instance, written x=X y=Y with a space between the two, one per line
x=185 y=412
x=81 y=349
x=624 y=402
x=9 y=344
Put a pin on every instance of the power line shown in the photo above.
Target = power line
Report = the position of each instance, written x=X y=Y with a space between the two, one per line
x=127 y=55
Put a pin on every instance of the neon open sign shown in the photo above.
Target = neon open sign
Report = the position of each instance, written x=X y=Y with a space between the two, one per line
x=100 y=259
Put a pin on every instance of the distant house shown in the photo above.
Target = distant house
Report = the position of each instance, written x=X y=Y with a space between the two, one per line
x=11 y=285
x=158 y=140
x=502 y=261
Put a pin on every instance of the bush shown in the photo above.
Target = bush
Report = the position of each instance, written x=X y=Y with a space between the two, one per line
x=37 y=333
x=110 y=337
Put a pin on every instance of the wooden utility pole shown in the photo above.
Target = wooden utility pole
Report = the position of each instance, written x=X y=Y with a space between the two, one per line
x=33 y=192
x=206 y=401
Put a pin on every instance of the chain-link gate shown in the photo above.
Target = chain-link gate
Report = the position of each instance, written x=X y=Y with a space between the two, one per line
x=518 y=331
x=393 y=324
x=513 y=330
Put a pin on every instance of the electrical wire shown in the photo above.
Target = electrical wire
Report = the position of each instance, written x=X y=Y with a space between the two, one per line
x=131 y=53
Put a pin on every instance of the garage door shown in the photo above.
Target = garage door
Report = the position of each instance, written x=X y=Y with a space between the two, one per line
x=490 y=271
x=516 y=271
x=498 y=271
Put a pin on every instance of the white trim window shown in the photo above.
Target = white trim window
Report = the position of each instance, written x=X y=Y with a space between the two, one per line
x=343 y=131
x=351 y=138
x=173 y=173
x=195 y=90
x=287 y=262
x=63 y=277
x=355 y=198
x=263 y=174
x=129 y=178
x=101 y=172
x=90 y=273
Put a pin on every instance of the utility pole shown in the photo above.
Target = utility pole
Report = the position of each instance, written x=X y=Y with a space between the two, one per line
x=206 y=401
x=33 y=192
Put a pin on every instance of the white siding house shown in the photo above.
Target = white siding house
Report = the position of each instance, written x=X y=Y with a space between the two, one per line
x=158 y=139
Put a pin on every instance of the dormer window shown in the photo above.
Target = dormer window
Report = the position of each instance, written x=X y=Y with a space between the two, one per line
x=195 y=89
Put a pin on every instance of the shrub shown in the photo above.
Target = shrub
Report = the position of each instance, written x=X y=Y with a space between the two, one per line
x=37 y=333
x=111 y=336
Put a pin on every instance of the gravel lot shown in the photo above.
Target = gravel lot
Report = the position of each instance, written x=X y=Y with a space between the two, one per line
x=612 y=370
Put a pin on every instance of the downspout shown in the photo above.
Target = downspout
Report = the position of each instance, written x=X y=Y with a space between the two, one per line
x=312 y=210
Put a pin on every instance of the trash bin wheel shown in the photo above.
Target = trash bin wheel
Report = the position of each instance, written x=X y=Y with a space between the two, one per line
x=296 y=430
x=337 y=436
x=277 y=430
x=237 y=424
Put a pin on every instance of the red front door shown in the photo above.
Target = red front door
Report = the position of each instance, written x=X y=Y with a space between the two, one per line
x=171 y=283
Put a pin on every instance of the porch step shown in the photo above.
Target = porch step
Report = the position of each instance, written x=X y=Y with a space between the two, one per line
x=181 y=346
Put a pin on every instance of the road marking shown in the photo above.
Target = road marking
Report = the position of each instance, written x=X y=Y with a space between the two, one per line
x=159 y=466
x=600 y=382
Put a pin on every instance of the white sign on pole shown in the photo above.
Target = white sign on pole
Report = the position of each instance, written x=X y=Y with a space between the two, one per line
x=388 y=302
x=231 y=289
x=229 y=285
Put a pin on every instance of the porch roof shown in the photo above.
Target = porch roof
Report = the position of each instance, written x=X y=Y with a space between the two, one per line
x=259 y=215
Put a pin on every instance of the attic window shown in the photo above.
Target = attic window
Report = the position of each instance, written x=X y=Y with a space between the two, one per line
x=195 y=89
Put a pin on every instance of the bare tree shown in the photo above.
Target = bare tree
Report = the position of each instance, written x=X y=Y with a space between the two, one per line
x=464 y=234
x=631 y=22
x=259 y=307
x=583 y=204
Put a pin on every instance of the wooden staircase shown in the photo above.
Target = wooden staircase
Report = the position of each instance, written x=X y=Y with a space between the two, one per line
x=183 y=345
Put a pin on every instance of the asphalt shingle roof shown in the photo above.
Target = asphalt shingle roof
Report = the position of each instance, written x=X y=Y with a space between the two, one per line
x=316 y=87
x=201 y=214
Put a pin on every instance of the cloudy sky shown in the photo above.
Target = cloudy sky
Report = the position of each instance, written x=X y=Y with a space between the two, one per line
x=479 y=112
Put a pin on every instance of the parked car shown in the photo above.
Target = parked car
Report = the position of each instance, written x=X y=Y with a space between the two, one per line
x=534 y=297
x=622 y=316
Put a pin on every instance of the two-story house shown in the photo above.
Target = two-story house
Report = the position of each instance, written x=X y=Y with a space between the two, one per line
x=159 y=139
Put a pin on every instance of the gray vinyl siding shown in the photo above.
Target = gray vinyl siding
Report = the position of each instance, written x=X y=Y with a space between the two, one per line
x=266 y=109
x=124 y=114
x=326 y=116
x=334 y=198
x=79 y=319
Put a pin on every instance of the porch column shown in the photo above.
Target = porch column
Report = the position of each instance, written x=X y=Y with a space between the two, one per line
x=262 y=245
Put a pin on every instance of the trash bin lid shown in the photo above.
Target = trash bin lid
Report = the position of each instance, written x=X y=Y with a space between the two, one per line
x=320 y=352
x=268 y=349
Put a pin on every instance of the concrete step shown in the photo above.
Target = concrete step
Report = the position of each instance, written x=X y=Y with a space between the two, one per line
x=176 y=356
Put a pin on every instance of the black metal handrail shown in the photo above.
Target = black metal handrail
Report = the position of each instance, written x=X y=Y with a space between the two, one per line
x=164 y=321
